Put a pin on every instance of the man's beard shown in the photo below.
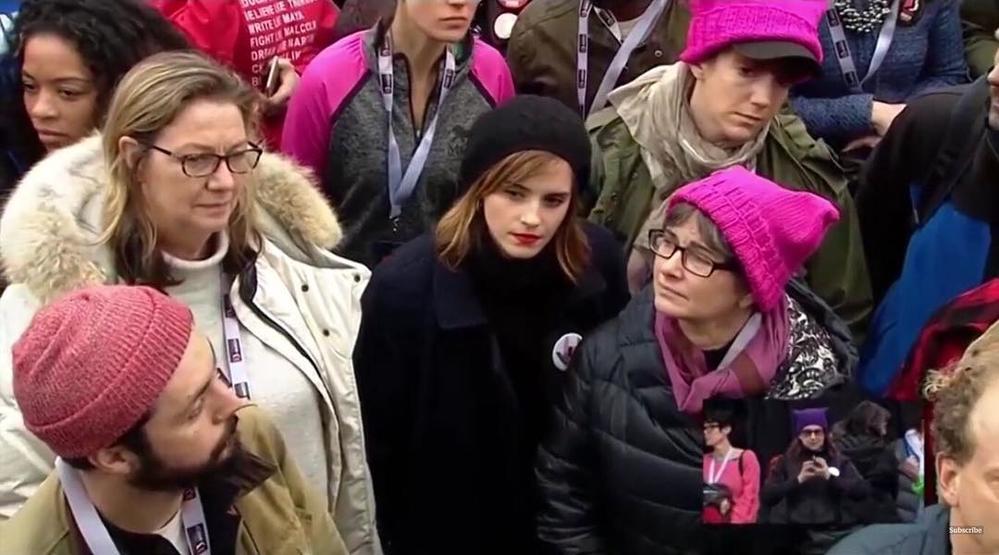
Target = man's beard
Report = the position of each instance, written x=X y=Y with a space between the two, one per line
x=155 y=475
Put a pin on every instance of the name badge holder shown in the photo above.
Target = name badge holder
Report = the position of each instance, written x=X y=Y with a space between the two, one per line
x=845 y=58
x=239 y=377
x=96 y=535
x=401 y=185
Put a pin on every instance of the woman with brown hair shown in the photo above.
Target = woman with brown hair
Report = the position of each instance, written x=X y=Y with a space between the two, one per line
x=176 y=194
x=467 y=332
x=863 y=438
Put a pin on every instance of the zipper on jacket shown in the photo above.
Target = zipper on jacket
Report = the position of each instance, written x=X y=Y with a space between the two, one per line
x=418 y=132
x=246 y=294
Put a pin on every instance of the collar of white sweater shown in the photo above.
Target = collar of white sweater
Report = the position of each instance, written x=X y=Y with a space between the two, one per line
x=200 y=284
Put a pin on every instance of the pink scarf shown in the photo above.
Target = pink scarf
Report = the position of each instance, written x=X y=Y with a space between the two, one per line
x=747 y=370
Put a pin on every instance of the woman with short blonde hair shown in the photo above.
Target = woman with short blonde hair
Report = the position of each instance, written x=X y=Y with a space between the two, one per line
x=176 y=194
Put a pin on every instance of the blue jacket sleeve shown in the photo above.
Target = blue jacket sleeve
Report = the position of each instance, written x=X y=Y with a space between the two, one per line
x=843 y=117
x=945 y=63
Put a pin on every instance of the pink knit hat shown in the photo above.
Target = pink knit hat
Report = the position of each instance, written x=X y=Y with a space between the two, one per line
x=767 y=29
x=772 y=230
x=92 y=364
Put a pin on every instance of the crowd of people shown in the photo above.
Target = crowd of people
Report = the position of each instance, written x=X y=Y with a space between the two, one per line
x=797 y=466
x=322 y=277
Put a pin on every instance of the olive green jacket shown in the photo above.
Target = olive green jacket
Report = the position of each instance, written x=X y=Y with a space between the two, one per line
x=622 y=186
x=281 y=515
x=980 y=19
x=541 y=52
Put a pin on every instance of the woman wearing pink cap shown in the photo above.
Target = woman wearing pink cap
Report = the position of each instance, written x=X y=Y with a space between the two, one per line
x=720 y=107
x=723 y=318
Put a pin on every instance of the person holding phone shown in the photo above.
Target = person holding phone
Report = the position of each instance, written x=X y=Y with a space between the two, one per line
x=249 y=36
x=810 y=482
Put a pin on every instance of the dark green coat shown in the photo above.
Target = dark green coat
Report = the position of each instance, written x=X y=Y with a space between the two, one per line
x=837 y=272
x=980 y=19
x=541 y=52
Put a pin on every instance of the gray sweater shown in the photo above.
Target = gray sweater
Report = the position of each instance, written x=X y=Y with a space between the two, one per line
x=336 y=125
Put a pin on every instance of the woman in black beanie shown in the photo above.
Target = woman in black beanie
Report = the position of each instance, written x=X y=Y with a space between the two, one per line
x=467 y=332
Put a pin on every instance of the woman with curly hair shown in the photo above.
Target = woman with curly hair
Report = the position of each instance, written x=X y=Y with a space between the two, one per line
x=70 y=54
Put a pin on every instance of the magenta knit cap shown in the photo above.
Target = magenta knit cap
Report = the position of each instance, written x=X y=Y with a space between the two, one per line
x=718 y=24
x=93 y=363
x=772 y=230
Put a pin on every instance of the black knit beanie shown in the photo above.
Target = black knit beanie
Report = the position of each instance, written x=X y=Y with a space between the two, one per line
x=526 y=122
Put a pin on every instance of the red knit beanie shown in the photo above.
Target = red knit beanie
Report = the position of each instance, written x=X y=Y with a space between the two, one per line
x=92 y=364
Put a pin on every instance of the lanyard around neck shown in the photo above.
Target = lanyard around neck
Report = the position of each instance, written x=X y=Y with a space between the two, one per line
x=637 y=35
x=842 y=48
x=402 y=184
x=714 y=477
x=96 y=535
x=235 y=355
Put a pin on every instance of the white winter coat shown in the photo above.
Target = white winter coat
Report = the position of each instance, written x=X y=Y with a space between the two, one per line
x=311 y=297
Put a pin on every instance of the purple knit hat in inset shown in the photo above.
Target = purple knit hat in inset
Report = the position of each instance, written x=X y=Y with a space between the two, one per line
x=772 y=230
x=758 y=29
x=810 y=417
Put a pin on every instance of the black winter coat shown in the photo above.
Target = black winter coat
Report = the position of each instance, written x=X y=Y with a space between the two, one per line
x=816 y=502
x=876 y=462
x=450 y=449
x=622 y=471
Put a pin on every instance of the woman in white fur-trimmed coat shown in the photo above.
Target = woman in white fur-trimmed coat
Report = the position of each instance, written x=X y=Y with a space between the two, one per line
x=176 y=194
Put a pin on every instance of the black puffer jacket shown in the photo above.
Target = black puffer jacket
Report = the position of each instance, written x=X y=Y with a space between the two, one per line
x=621 y=473
x=875 y=461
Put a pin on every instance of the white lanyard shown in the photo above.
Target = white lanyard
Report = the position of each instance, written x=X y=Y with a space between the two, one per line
x=842 y=48
x=235 y=356
x=96 y=535
x=401 y=185
x=636 y=37
x=712 y=476
x=741 y=341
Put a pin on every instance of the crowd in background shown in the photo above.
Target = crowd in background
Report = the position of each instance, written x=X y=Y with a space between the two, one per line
x=359 y=276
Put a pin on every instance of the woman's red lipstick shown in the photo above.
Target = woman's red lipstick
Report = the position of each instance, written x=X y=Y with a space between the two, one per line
x=526 y=238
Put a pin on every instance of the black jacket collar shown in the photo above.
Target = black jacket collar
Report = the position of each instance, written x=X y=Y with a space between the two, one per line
x=457 y=306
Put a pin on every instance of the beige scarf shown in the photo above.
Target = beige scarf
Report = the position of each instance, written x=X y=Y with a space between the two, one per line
x=656 y=110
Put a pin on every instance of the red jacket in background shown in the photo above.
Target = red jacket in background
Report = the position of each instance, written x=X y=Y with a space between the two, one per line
x=246 y=34
x=943 y=341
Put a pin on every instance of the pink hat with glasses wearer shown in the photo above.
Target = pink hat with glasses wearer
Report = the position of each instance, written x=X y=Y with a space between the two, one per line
x=772 y=230
x=757 y=29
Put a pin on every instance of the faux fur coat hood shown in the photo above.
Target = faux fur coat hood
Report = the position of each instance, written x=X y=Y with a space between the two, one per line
x=49 y=226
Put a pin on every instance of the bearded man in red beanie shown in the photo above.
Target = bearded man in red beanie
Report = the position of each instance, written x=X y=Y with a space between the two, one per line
x=156 y=454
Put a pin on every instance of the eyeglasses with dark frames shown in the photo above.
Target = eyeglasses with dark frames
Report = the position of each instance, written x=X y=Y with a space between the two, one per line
x=665 y=247
x=204 y=164
x=810 y=433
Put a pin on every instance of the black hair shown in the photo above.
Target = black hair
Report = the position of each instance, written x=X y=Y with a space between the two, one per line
x=135 y=440
x=721 y=411
x=111 y=36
